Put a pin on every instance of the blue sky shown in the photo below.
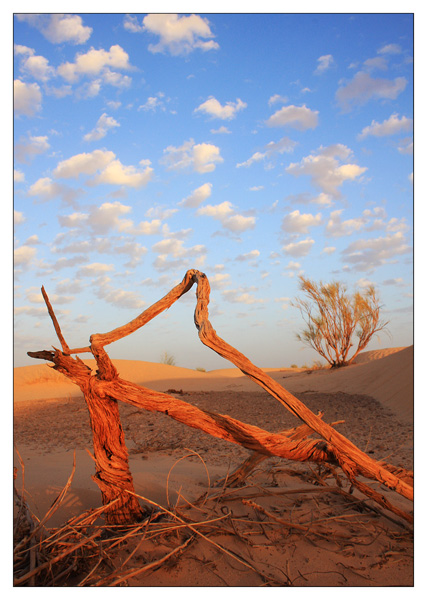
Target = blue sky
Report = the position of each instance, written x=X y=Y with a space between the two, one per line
x=252 y=147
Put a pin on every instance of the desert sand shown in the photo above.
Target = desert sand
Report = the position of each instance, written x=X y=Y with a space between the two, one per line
x=337 y=539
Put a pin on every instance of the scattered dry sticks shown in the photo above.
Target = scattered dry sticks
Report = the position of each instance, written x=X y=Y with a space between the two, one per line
x=235 y=526
x=103 y=390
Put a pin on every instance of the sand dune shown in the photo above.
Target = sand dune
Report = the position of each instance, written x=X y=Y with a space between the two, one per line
x=373 y=399
x=385 y=375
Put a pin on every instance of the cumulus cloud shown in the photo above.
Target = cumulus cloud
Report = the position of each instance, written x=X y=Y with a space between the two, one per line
x=325 y=170
x=105 y=168
x=296 y=223
x=368 y=254
x=59 y=28
x=390 y=49
x=363 y=88
x=153 y=103
x=83 y=164
x=23 y=255
x=117 y=174
x=252 y=255
x=277 y=98
x=406 y=146
x=335 y=227
x=98 y=65
x=201 y=158
x=390 y=126
x=228 y=217
x=27 y=98
x=177 y=35
x=18 y=217
x=94 y=270
x=33 y=65
x=18 y=176
x=103 y=125
x=269 y=150
x=118 y=298
x=215 y=109
x=46 y=189
x=298 y=117
x=297 y=249
x=219 y=280
x=241 y=296
x=198 y=196
x=26 y=150
x=172 y=254
x=220 y=130
x=99 y=220
x=324 y=63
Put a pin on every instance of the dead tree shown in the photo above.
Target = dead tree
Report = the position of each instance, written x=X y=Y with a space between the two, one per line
x=103 y=390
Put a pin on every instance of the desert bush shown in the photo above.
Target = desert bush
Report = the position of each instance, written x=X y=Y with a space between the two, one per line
x=201 y=369
x=335 y=319
x=167 y=359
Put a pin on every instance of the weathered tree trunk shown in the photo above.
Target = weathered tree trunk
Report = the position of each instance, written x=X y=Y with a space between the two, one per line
x=103 y=390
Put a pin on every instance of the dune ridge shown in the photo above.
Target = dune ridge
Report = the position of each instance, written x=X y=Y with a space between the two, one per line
x=385 y=375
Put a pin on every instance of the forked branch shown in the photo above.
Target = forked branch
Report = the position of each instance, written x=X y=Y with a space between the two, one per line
x=333 y=447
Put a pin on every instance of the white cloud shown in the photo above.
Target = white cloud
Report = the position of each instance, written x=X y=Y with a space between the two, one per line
x=219 y=280
x=131 y=24
x=105 y=168
x=241 y=296
x=26 y=150
x=84 y=164
x=213 y=108
x=406 y=146
x=229 y=219
x=94 y=270
x=154 y=102
x=201 y=158
x=301 y=248
x=103 y=125
x=363 y=88
x=325 y=63
x=335 y=227
x=390 y=49
x=270 y=149
x=198 y=196
x=179 y=35
x=277 y=98
x=368 y=254
x=18 y=217
x=298 y=117
x=18 y=176
x=23 y=255
x=220 y=130
x=325 y=170
x=117 y=174
x=27 y=98
x=98 y=63
x=390 y=126
x=328 y=250
x=296 y=223
x=46 y=189
x=252 y=255
x=59 y=28
x=33 y=65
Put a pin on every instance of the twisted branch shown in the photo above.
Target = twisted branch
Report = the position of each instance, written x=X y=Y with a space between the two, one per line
x=333 y=447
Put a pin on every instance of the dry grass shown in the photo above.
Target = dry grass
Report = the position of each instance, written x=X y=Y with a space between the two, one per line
x=235 y=525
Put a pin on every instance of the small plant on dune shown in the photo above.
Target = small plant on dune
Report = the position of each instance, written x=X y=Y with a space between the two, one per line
x=340 y=318
x=201 y=369
x=167 y=359
x=294 y=366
